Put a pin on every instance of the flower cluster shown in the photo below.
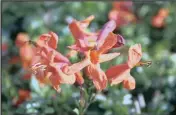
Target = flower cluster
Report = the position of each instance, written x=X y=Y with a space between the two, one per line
x=122 y=13
x=51 y=67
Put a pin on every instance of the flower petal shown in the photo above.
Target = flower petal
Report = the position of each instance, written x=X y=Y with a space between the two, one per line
x=85 y=23
x=135 y=54
x=79 y=78
x=26 y=52
x=76 y=67
x=58 y=56
x=117 y=74
x=98 y=77
x=108 y=27
x=107 y=57
x=51 y=39
x=129 y=83
x=55 y=82
x=109 y=42
x=63 y=78
x=120 y=41
x=21 y=39
x=80 y=35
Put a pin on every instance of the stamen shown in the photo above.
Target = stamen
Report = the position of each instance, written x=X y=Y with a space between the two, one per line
x=38 y=66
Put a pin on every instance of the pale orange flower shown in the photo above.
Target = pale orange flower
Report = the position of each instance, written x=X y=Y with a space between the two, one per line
x=122 y=13
x=21 y=39
x=50 y=66
x=93 y=46
x=121 y=73
x=26 y=51
x=89 y=40
x=159 y=20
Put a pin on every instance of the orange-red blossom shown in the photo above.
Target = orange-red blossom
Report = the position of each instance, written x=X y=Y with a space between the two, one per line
x=122 y=13
x=95 y=47
x=47 y=64
x=159 y=20
x=121 y=73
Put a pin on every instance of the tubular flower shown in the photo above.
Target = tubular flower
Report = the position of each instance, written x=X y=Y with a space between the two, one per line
x=21 y=39
x=96 y=57
x=158 y=20
x=122 y=13
x=89 y=40
x=49 y=66
x=94 y=46
x=121 y=73
x=26 y=51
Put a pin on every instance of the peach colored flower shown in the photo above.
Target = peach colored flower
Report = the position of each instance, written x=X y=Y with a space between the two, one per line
x=26 y=54
x=96 y=57
x=89 y=40
x=159 y=20
x=121 y=73
x=50 y=66
x=123 y=5
x=93 y=46
x=163 y=12
x=26 y=51
x=122 y=13
x=21 y=39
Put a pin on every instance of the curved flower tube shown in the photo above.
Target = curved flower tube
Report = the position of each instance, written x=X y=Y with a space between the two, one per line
x=89 y=40
x=94 y=46
x=49 y=65
x=121 y=73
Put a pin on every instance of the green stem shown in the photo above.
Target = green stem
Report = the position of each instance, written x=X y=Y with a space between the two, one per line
x=83 y=104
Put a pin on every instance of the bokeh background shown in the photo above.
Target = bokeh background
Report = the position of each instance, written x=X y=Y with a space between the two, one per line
x=155 y=92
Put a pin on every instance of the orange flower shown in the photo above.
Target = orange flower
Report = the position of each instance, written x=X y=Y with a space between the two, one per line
x=122 y=13
x=26 y=51
x=163 y=12
x=26 y=54
x=93 y=46
x=159 y=20
x=23 y=95
x=50 y=66
x=122 y=17
x=89 y=40
x=21 y=39
x=121 y=73
x=122 y=5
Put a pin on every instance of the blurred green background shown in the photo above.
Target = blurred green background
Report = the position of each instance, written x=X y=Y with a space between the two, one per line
x=155 y=92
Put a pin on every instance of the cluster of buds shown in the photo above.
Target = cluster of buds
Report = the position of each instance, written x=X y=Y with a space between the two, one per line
x=51 y=67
